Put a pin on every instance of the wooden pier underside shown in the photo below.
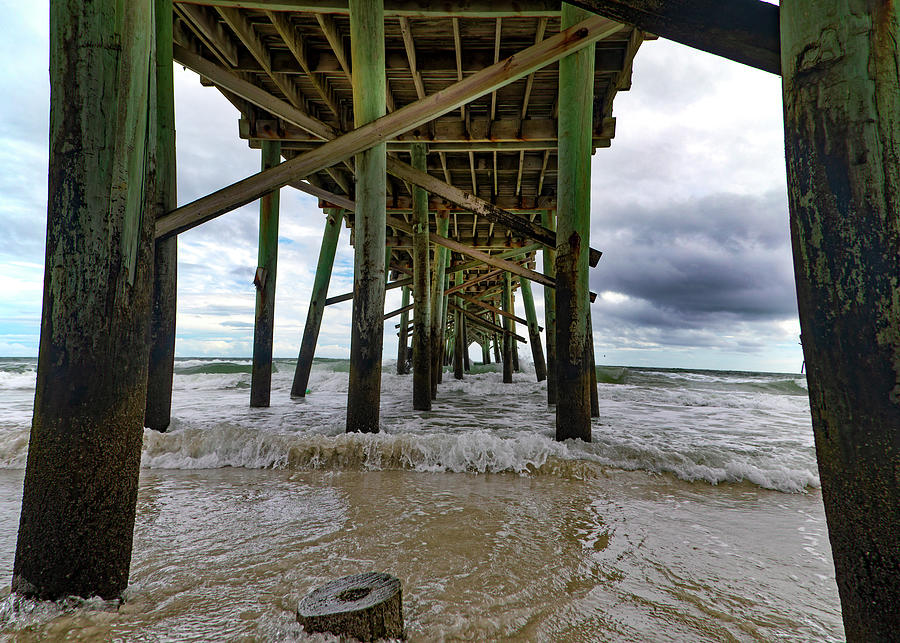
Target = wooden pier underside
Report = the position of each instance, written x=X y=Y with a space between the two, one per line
x=500 y=148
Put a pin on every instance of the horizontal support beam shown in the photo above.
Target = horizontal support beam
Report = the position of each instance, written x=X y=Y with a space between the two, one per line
x=484 y=323
x=494 y=309
x=388 y=126
x=347 y=296
x=445 y=130
x=475 y=280
x=406 y=8
x=399 y=311
x=519 y=225
x=490 y=260
x=745 y=31
x=507 y=254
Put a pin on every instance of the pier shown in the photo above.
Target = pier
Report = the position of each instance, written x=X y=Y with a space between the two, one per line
x=454 y=141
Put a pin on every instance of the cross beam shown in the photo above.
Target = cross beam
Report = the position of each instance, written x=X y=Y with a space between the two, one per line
x=388 y=126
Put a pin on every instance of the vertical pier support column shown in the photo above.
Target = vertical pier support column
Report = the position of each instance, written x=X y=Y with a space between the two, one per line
x=438 y=307
x=333 y=217
x=508 y=339
x=839 y=66
x=497 y=356
x=161 y=366
x=366 y=338
x=595 y=397
x=458 y=341
x=548 y=219
x=84 y=451
x=485 y=354
x=423 y=336
x=534 y=335
x=512 y=327
x=267 y=268
x=467 y=365
x=403 y=335
x=576 y=91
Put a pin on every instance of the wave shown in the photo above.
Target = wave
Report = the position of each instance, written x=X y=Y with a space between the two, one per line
x=478 y=452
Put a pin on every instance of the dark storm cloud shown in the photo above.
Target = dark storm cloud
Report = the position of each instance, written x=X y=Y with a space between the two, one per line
x=708 y=263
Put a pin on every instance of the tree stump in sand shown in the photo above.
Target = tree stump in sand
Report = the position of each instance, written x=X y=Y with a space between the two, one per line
x=365 y=606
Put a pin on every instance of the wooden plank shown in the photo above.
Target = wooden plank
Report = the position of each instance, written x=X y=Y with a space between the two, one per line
x=389 y=126
x=745 y=31
x=407 y=8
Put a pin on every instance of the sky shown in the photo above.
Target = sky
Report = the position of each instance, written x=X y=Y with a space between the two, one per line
x=689 y=207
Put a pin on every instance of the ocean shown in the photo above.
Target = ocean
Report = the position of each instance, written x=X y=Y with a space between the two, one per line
x=694 y=515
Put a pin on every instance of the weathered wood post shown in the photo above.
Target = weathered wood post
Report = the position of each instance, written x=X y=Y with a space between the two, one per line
x=512 y=327
x=162 y=191
x=366 y=339
x=266 y=271
x=485 y=354
x=81 y=477
x=508 y=339
x=548 y=219
x=839 y=64
x=422 y=326
x=458 y=339
x=333 y=217
x=497 y=357
x=534 y=335
x=403 y=335
x=438 y=305
x=595 y=397
x=467 y=366
x=576 y=91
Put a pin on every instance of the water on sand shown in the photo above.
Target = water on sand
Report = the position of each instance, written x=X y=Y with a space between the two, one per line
x=694 y=515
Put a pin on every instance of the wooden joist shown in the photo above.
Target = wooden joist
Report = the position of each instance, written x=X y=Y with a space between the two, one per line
x=406 y=8
x=386 y=127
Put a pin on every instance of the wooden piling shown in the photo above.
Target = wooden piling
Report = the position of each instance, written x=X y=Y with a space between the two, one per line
x=497 y=356
x=485 y=354
x=423 y=336
x=317 y=297
x=267 y=268
x=534 y=335
x=467 y=366
x=841 y=88
x=512 y=328
x=548 y=218
x=576 y=91
x=438 y=306
x=595 y=397
x=81 y=476
x=367 y=329
x=162 y=190
x=458 y=340
x=403 y=336
x=507 y=326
